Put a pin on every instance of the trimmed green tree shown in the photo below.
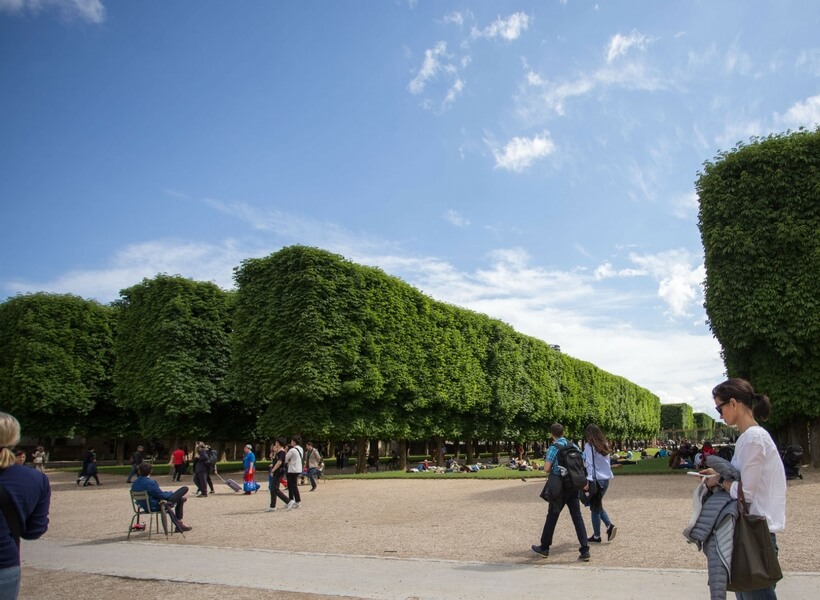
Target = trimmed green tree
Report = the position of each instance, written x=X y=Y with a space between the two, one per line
x=760 y=227
x=56 y=353
x=173 y=354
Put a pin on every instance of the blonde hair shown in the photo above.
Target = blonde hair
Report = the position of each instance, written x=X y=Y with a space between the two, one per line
x=9 y=436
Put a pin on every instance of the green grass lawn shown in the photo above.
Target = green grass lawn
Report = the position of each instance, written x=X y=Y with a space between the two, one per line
x=656 y=466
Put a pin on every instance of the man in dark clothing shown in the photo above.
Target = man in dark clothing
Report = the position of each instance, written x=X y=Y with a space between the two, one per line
x=202 y=468
x=89 y=457
x=176 y=499
x=136 y=461
x=569 y=498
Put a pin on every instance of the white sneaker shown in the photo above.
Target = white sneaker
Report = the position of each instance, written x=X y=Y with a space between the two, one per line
x=271 y=508
x=297 y=505
x=291 y=504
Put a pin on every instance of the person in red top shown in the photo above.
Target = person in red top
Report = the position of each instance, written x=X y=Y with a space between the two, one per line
x=178 y=460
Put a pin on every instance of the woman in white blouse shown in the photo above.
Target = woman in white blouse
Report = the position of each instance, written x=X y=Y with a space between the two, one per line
x=596 y=459
x=756 y=457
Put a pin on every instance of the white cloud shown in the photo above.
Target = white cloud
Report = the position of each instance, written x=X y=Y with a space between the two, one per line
x=739 y=131
x=429 y=69
x=132 y=264
x=619 y=44
x=454 y=92
x=810 y=61
x=438 y=66
x=539 y=97
x=519 y=153
x=457 y=18
x=805 y=113
x=455 y=218
x=91 y=11
x=685 y=206
x=680 y=276
x=509 y=29
x=737 y=61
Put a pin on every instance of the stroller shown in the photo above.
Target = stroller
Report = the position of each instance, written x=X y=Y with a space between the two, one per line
x=792 y=456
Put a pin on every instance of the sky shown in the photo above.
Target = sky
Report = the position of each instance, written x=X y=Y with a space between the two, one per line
x=535 y=162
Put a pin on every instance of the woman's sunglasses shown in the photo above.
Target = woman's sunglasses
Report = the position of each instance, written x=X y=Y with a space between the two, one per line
x=720 y=406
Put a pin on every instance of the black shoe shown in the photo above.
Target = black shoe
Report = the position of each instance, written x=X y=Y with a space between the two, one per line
x=594 y=540
x=610 y=533
x=183 y=527
x=545 y=552
x=584 y=556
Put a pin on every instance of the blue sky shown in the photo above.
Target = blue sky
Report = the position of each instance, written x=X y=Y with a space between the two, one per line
x=531 y=161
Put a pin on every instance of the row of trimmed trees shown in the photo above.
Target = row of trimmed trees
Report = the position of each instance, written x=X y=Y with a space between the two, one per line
x=309 y=343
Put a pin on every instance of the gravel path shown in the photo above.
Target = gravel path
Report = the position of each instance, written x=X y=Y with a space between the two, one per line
x=475 y=520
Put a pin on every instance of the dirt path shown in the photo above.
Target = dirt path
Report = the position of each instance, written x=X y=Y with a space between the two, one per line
x=472 y=520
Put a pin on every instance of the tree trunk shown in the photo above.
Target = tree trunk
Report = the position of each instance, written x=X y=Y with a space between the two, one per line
x=439 y=458
x=468 y=451
x=814 y=443
x=403 y=455
x=361 y=455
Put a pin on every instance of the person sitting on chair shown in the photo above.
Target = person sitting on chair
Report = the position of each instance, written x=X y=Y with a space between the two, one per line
x=176 y=499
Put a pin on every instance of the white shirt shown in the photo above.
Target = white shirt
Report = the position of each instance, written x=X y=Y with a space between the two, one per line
x=763 y=476
x=597 y=464
x=294 y=460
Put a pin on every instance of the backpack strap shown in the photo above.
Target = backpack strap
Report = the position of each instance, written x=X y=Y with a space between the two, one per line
x=11 y=516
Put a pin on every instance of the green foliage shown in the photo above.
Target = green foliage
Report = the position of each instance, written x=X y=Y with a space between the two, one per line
x=704 y=424
x=56 y=353
x=173 y=354
x=760 y=227
x=333 y=349
x=677 y=416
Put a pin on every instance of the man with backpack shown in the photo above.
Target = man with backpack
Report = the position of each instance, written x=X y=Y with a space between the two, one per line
x=566 y=461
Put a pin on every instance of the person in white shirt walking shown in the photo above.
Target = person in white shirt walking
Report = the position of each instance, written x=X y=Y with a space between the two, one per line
x=293 y=459
x=761 y=470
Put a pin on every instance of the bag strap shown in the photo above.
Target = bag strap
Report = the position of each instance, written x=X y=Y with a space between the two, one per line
x=742 y=505
x=11 y=516
x=594 y=468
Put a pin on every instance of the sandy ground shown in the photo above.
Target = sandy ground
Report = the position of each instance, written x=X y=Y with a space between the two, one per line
x=476 y=520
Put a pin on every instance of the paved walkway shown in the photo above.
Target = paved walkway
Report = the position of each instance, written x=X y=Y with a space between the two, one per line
x=379 y=578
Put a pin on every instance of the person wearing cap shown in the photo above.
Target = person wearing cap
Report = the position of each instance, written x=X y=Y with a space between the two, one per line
x=249 y=463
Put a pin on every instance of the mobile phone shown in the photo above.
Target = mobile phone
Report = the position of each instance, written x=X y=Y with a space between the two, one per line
x=696 y=473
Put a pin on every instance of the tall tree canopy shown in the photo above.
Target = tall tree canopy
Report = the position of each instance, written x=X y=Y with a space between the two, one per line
x=173 y=354
x=56 y=354
x=331 y=348
x=760 y=226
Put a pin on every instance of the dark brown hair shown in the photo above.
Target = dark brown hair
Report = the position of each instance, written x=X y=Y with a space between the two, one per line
x=597 y=438
x=557 y=430
x=742 y=391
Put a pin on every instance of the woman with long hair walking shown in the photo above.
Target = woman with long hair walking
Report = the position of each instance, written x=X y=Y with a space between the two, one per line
x=599 y=474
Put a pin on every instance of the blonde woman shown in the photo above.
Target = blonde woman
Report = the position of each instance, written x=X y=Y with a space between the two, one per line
x=25 y=493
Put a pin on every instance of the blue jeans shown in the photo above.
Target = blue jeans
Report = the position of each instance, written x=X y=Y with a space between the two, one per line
x=9 y=583
x=312 y=473
x=596 y=508
x=765 y=593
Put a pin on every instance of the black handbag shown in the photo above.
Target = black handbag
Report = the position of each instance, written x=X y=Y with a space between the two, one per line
x=754 y=560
